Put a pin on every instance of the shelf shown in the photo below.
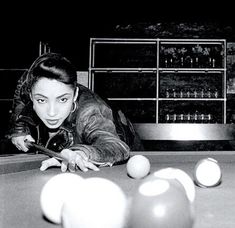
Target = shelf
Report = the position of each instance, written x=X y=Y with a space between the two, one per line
x=188 y=132
x=173 y=70
x=151 y=79
x=115 y=70
x=195 y=70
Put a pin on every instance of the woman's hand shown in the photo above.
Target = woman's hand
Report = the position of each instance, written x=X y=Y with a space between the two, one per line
x=19 y=142
x=73 y=160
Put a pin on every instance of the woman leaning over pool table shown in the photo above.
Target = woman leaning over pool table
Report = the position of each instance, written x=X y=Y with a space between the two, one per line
x=52 y=109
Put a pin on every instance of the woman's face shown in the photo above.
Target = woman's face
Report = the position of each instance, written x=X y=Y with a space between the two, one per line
x=52 y=101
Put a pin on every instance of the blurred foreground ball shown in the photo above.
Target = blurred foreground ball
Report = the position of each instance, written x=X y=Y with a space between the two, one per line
x=100 y=204
x=207 y=173
x=160 y=203
x=182 y=177
x=56 y=191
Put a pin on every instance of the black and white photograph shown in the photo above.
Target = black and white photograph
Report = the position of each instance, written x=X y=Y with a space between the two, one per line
x=117 y=115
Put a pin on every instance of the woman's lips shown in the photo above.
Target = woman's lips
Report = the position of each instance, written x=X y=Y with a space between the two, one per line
x=52 y=122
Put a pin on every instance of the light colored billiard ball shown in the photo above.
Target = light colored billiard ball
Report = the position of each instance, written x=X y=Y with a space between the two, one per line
x=56 y=191
x=100 y=204
x=207 y=173
x=138 y=166
x=182 y=177
x=160 y=202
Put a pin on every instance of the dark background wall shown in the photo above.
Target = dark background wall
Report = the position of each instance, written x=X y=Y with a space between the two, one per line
x=68 y=26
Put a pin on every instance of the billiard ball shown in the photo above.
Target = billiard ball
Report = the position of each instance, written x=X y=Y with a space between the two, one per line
x=182 y=177
x=56 y=191
x=101 y=204
x=160 y=202
x=207 y=173
x=138 y=166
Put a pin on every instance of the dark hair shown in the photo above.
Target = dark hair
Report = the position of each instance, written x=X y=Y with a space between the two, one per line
x=52 y=66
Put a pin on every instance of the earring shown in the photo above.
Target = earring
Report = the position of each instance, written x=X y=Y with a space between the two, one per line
x=74 y=107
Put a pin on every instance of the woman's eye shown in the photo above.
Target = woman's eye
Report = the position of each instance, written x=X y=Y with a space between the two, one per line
x=41 y=101
x=63 y=100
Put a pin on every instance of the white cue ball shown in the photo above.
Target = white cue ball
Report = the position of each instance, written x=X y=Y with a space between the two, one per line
x=101 y=204
x=207 y=173
x=182 y=177
x=138 y=166
x=56 y=191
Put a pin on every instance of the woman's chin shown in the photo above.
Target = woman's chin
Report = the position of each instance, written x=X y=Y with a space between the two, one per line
x=52 y=126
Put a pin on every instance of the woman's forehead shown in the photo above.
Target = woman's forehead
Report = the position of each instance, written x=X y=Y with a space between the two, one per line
x=51 y=87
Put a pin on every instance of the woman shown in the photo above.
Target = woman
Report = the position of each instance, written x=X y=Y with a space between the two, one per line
x=51 y=109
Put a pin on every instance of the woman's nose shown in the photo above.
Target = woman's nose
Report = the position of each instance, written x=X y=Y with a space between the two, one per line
x=51 y=110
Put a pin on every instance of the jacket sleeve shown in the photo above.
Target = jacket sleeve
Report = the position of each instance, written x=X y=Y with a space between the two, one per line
x=20 y=99
x=101 y=142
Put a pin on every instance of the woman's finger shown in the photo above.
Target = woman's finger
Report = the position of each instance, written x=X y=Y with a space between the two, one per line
x=20 y=146
x=72 y=166
x=80 y=163
x=49 y=163
x=64 y=166
x=91 y=166
x=23 y=147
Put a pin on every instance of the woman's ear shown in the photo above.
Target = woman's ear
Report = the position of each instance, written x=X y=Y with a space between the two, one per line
x=76 y=94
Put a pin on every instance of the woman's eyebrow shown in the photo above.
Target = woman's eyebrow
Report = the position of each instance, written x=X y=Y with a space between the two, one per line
x=39 y=94
x=62 y=95
x=65 y=94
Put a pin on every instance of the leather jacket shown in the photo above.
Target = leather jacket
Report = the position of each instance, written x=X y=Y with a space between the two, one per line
x=105 y=135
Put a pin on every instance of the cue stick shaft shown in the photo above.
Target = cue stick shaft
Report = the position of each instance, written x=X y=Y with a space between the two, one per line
x=46 y=151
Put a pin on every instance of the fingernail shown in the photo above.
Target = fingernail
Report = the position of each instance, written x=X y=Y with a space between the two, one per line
x=63 y=169
x=42 y=168
x=72 y=170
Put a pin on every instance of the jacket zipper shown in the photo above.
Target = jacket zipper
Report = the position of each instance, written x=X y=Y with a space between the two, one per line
x=48 y=141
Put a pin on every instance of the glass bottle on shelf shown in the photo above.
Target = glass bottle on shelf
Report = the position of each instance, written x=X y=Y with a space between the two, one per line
x=216 y=94
x=188 y=93
x=174 y=94
x=188 y=118
x=191 y=62
x=181 y=118
x=202 y=118
x=196 y=62
x=202 y=94
x=171 y=62
x=207 y=118
x=209 y=93
x=209 y=62
x=167 y=118
x=167 y=93
x=213 y=62
x=181 y=93
x=174 y=118
x=166 y=62
x=182 y=61
x=196 y=117
x=195 y=95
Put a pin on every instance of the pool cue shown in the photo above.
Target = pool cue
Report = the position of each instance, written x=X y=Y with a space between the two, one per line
x=46 y=151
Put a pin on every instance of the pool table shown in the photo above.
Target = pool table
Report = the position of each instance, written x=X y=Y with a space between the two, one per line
x=21 y=182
